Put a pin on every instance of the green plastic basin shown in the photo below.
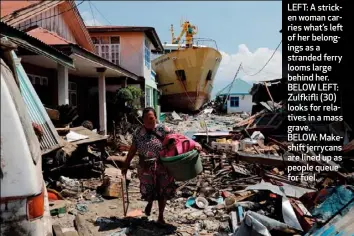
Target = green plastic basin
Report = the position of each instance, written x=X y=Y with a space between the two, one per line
x=179 y=157
x=184 y=167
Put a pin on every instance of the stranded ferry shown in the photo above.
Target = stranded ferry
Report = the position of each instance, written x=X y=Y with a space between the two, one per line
x=186 y=72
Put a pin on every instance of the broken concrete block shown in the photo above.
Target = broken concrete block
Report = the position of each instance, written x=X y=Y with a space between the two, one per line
x=112 y=187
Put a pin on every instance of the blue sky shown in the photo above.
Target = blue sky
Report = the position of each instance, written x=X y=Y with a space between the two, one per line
x=245 y=31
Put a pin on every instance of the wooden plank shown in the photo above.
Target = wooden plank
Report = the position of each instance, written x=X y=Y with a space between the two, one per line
x=71 y=233
x=92 y=137
x=57 y=230
x=264 y=159
x=234 y=225
x=80 y=226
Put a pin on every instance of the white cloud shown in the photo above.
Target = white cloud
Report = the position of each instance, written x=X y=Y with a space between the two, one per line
x=90 y=20
x=252 y=62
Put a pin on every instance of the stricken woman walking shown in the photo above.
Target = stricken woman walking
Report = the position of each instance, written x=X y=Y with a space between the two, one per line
x=155 y=182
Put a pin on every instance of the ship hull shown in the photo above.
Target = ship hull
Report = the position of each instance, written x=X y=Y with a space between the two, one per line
x=181 y=101
x=188 y=90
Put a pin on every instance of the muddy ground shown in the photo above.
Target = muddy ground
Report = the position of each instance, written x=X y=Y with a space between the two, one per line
x=107 y=217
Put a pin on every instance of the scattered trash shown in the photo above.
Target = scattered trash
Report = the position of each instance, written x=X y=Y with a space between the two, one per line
x=190 y=202
x=243 y=189
x=57 y=208
x=82 y=208
x=201 y=202
x=122 y=232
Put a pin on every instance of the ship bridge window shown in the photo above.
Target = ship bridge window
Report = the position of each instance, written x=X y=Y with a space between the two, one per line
x=210 y=73
x=181 y=75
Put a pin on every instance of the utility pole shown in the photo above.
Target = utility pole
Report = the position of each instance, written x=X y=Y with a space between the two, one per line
x=232 y=83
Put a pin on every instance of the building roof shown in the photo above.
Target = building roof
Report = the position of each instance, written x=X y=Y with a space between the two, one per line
x=70 y=49
x=53 y=39
x=57 y=43
x=239 y=86
x=14 y=13
x=149 y=31
x=10 y=7
x=47 y=36
x=32 y=44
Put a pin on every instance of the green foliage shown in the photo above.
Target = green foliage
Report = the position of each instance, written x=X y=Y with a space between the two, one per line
x=124 y=95
x=130 y=95
x=136 y=92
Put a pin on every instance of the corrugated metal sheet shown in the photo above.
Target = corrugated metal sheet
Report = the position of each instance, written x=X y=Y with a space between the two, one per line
x=37 y=112
x=32 y=44
x=48 y=37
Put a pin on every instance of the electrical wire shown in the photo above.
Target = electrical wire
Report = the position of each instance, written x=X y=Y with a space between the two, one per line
x=264 y=71
x=54 y=15
x=271 y=57
x=223 y=89
x=109 y=22
x=93 y=16
x=242 y=67
x=228 y=93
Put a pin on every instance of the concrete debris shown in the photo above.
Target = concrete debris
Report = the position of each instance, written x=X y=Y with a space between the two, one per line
x=176 y=117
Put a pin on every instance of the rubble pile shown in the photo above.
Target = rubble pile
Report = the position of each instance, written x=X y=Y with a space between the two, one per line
x=243 y=190
x=81 y=156
x=82 y=149
x=182 y=123
x=245 y=182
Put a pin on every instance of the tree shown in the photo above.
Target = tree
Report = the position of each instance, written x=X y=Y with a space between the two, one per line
x=129 y=96
x=136 y=92
x=123 y=95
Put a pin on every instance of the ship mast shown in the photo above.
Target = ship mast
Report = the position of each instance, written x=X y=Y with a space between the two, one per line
x=172 y=34
x=189 y=30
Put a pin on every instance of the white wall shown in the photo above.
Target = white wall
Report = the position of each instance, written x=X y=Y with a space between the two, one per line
x=245 y=104
x=132 y=52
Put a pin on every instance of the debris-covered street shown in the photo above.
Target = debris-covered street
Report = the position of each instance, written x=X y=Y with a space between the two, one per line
x=243 y=187
x=101 y=121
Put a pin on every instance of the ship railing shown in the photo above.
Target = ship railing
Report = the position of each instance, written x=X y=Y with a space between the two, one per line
x=203 y=42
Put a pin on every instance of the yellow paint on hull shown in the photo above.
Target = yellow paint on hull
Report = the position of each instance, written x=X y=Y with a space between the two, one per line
x=196 y=63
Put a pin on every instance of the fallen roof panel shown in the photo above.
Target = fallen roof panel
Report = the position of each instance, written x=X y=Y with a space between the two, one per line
x=50 y=139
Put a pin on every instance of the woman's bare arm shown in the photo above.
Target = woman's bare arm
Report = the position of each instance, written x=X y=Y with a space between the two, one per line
x=130 y=156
